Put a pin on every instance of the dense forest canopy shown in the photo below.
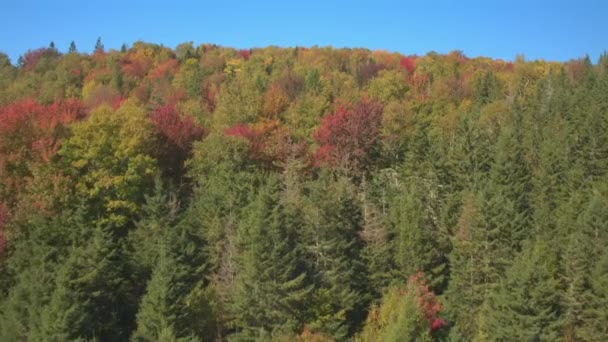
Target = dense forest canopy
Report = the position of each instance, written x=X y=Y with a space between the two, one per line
x=301 y=194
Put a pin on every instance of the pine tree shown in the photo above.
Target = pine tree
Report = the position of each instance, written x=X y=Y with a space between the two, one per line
x=469 y=283
x=526 y=304
x=159 y=214
x=417 y=236
x=98 y=45
x=584 y=301
x=334 y=247
x=92 y=293
x=167 y=311
x=36 y=258
x=72 y=48
x=270 y=288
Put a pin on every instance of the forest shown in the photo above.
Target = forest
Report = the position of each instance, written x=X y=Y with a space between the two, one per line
x=206 y=193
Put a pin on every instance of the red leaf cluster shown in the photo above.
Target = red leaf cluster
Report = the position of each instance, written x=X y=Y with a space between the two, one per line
x=27 y=124
x=348 y=135
x=30 y=133
x=30 y=59
x=408 y=63
x=179 y=130
x=427 y=301
x=165 y=69
x=268 y=141
x=244 y=54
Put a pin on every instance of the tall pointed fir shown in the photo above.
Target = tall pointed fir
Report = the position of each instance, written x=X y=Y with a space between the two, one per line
x=36 y=258
x=526 y=305
x=334 y=252
x=585 y=301
x=417 y=241
x=270 y=290
x=92 y=296
x=172 y=308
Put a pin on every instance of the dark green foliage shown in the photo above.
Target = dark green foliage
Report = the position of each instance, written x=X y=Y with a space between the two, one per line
x=270 y=289
x=334 y=249
x=525 y=306
x=90 y=299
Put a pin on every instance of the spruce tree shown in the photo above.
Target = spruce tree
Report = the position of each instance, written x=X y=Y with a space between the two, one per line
x=92 y=296
x=270 y=288
x=165 y=312
x=334 y=246
x=584 y=271
x=526 y=305
x=417 y=236
x=98 y=45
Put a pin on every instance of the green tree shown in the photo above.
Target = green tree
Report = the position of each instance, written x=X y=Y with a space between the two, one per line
x=584 y=301
x=98 y=45
x=92 y=296
x=334 y=247
x=270 y=289
x=526 y=304
x=109 y=156
x=173 y=307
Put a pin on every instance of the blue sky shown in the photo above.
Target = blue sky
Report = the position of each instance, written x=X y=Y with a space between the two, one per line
x=551 y=30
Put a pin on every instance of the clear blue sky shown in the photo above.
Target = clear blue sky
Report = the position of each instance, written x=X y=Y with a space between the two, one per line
x=551 y=30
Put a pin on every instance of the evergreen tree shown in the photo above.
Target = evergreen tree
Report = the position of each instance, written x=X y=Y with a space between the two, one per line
x=469 y=279
x=72 y=48
x=526 y=304
x=584 y=301
x=335 y=255
x=417 y=236
x=36 y=258
x=172 y=309
x=98 y=45
x=92 y=296
x=270 y=290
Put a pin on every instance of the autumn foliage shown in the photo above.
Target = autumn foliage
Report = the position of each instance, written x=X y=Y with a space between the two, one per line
x=27 y=126
x=408 y=63
x=427 y=301
x=177 y=134
x=348 y=136
x=268 y=141
x=179 y=130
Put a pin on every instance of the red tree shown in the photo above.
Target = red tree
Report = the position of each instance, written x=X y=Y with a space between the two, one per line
x=427 y=301
x=269 y=142
x=179 y=130
x=165 y=70
x=408 y=63
x=27 y=126
x=177 y=134
x=244 y=54
x=347 y=136
x=30 y=134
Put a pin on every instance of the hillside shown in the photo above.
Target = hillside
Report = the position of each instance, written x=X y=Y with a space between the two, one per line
x=301 y=194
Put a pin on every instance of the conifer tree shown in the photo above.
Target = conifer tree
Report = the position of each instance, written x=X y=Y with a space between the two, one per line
x=526 y=305
x=584 y=301
x=270 y=289
x=92 y=293
x=334 y=249
x=167 y=310
x=417 y=236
